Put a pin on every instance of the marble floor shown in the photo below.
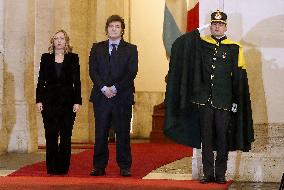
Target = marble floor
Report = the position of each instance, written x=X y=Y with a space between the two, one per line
x=178 y=170
x=181 y=169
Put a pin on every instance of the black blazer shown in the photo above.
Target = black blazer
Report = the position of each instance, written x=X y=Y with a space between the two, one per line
x=62 y=90
x=121 y=73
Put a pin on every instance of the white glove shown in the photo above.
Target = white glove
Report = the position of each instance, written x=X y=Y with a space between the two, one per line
x=234 y=107
x=203 y=27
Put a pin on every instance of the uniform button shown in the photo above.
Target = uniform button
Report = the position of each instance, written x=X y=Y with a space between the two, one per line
x=212 y=84
x=213 y=66
x=212 y=76
x=214 y=58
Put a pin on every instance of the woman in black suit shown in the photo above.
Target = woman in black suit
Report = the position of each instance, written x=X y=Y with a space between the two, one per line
x=58 y=96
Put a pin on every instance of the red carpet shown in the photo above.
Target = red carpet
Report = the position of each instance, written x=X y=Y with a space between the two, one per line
x=96 y=183
x=145 y=157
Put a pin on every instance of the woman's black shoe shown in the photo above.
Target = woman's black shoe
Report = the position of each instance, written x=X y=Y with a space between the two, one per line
x=207 y=179
x=125 y=172
x=97 y=172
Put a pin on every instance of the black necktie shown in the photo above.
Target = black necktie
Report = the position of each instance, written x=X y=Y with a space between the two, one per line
x=113 y=49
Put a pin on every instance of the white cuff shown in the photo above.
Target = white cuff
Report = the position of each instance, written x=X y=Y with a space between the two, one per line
x=104 y=89
x=234 y=107
x=113 y=89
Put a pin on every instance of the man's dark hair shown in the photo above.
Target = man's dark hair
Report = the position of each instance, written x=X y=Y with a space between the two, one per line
x=114 y=18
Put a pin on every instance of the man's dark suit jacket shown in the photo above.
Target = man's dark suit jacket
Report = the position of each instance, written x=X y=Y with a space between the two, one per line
x=121 y=73
x=62 y=90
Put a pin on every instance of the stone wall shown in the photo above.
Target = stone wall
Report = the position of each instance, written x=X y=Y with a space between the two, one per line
x=18 y=129
x=143 y=111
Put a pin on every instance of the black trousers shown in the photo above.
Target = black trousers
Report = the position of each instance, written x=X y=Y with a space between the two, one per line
x=214 y=125
x=58 y=123
x=119 y=117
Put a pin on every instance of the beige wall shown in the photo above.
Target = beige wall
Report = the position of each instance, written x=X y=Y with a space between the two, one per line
x=146 y=32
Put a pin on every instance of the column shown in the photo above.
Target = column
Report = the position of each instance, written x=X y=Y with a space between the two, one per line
x=18 y=102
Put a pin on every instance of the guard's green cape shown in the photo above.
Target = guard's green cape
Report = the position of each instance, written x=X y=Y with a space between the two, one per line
x=181 y=122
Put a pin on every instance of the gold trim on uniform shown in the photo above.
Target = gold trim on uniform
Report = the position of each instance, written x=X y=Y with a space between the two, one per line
x=201 y=104
x=241 y=58
x=219 y=21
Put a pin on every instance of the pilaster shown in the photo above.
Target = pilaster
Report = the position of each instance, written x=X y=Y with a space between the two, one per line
x=18 y=103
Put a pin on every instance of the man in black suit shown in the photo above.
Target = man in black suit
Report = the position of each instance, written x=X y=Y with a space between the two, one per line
x=113 y=66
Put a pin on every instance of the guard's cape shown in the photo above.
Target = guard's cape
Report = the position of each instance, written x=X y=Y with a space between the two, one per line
x=181 y=122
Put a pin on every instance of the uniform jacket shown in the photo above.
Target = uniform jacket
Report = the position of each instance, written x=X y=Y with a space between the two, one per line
x=62 y=90
x=219 y=68
x=121 y=73
x=190 y=84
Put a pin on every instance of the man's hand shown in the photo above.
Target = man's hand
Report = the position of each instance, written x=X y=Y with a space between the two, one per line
x=39 y=107
x=234 y=108
x=109 y=92
x=76 y=108
x=203 y=27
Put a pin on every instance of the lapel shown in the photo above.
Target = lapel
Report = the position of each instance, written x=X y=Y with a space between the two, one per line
x=120 y=47
x=106 y=51
x=51 y=63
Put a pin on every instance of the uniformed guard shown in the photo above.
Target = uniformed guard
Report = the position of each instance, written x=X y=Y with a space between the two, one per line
x=207 y=97
x=217 y=99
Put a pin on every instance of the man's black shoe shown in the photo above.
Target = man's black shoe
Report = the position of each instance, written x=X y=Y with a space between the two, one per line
x=57 y=172
x=221 y=180
x=97 y=172
x=60 y=173
x=111 y=140
x=207 y=179
x=125 y=172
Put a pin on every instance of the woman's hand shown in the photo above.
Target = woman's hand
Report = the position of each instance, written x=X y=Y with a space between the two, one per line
x=76 y=108
x=39 y=107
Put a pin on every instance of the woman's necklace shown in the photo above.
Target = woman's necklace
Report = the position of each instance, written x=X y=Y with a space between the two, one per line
x=59 y=57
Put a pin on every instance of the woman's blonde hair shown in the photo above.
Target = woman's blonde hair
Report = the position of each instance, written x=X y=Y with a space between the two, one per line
x=68 y=47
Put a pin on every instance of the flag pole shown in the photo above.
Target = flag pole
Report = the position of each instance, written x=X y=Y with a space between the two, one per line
x=221 y=5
